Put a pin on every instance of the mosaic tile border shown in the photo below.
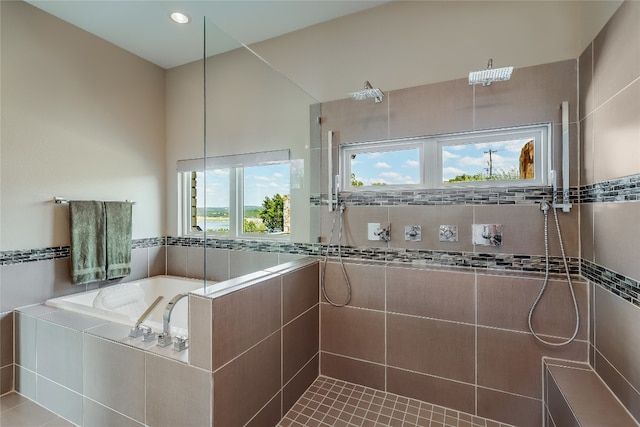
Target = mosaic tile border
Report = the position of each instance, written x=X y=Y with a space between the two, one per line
x=57 y=252
x=626 y=189
x=460 y=196
x=30 y=255
x=488 y=261
x=624 y=287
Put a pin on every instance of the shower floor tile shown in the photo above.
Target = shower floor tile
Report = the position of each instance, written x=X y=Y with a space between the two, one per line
x=337 y=403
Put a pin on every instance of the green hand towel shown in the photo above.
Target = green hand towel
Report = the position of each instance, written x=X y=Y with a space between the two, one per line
x=87 y=241
x=118 y=239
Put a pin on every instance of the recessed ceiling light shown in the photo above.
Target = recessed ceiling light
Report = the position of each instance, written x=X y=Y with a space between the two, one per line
x=180 y=18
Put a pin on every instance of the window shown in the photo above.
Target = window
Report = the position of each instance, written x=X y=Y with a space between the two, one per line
x=237 y=196
x=515 y=156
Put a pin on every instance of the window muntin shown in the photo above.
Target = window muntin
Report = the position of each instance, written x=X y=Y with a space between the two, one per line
x=516 y=156
x=232 y=191
x=216 y=188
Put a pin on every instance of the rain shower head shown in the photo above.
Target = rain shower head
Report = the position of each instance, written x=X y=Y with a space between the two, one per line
x=490 y=75
x=367 y=93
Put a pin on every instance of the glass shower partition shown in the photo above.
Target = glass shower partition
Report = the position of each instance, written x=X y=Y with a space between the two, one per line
x=261 y=140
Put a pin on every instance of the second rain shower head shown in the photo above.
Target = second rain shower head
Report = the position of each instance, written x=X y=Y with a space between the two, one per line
x=367 y=93
x=490 y=75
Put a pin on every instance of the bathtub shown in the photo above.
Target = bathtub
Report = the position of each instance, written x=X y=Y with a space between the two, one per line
x=166 y=286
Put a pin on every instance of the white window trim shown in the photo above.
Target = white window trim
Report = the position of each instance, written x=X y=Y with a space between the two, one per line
x=235 y=163
x=431 y=157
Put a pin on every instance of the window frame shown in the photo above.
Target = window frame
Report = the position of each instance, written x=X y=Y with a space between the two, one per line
x=236 y=165
x=431 y=158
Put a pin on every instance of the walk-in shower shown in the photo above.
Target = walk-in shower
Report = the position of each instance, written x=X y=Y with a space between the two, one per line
x=367 y=93
x=545 y=207
x=490 y=75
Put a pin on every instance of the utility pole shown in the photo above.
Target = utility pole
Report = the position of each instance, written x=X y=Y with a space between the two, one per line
x=490 y=152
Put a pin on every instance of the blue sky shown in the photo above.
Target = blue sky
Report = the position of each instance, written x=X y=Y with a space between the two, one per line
x=472 y=159
x=260 y=181
x=391 y=167
x=403 y=167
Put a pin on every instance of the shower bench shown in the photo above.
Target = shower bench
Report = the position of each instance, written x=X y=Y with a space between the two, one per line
x=576 y=396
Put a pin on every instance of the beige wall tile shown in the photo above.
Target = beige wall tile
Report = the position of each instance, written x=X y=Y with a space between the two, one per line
x=587 y=172
x=616 y=133
x=585 y=82
x=523 y=230
x=616 y=52
x=586 y=232
x=616 y=336
x=355 y=121
x=554 y=314
x=176 y=394
x=97 y=415
x=299 y=291
x=366 y=281
x=6 y=379
x=299 y=343
x=242 y=387
x=531 y=96
x=200 y=331
x=434 y=294
x=352 y=370
x=123 y=392
x=624 y=391
x=511 y=361
x=356 y=219
x=270 y=415
x=508 y=408
x=296 y=387
x=617 y=237
x=443 y=349
x=352 y=332
x=6 y=339
x=431 y=109
x=244 y=318
x=430 y=218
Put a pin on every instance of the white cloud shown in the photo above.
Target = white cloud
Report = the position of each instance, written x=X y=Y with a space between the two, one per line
x=412 y=164
x=446 y=155
x=382 y=165
x=277 y=175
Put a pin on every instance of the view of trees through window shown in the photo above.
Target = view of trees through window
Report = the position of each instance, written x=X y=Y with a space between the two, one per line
x=459 y=161
x=264 y=200
x=488 y=161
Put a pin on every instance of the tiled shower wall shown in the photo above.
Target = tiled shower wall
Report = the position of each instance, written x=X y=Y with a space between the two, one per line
x=454 y=338
x=610 y=211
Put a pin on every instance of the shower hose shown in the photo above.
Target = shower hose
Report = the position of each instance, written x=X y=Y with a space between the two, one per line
x=338 y=212
x=545 y=206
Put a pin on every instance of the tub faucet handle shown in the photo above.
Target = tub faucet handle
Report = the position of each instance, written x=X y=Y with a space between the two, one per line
x=149 y=335
x=180 y=343
x=164 y=339
x=138 y=331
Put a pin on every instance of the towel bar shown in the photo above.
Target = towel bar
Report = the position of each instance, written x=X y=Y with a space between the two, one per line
x=63 y=201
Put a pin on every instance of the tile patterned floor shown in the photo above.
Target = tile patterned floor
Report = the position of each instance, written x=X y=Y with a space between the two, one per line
x=18 y=411
x=336 y=403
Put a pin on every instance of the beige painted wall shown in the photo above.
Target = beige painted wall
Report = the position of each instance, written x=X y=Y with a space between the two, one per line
x=250 y=108
x=84 y=119
x=81 y=119
x=409 y=43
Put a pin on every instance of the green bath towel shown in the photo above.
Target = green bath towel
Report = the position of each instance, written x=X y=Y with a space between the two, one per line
x=88 y=245
x=118 y=239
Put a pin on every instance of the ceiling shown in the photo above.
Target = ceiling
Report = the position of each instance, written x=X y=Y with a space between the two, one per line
x=143 y=27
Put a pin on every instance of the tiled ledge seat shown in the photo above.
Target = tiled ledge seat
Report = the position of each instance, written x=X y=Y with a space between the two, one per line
x=576 y=396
